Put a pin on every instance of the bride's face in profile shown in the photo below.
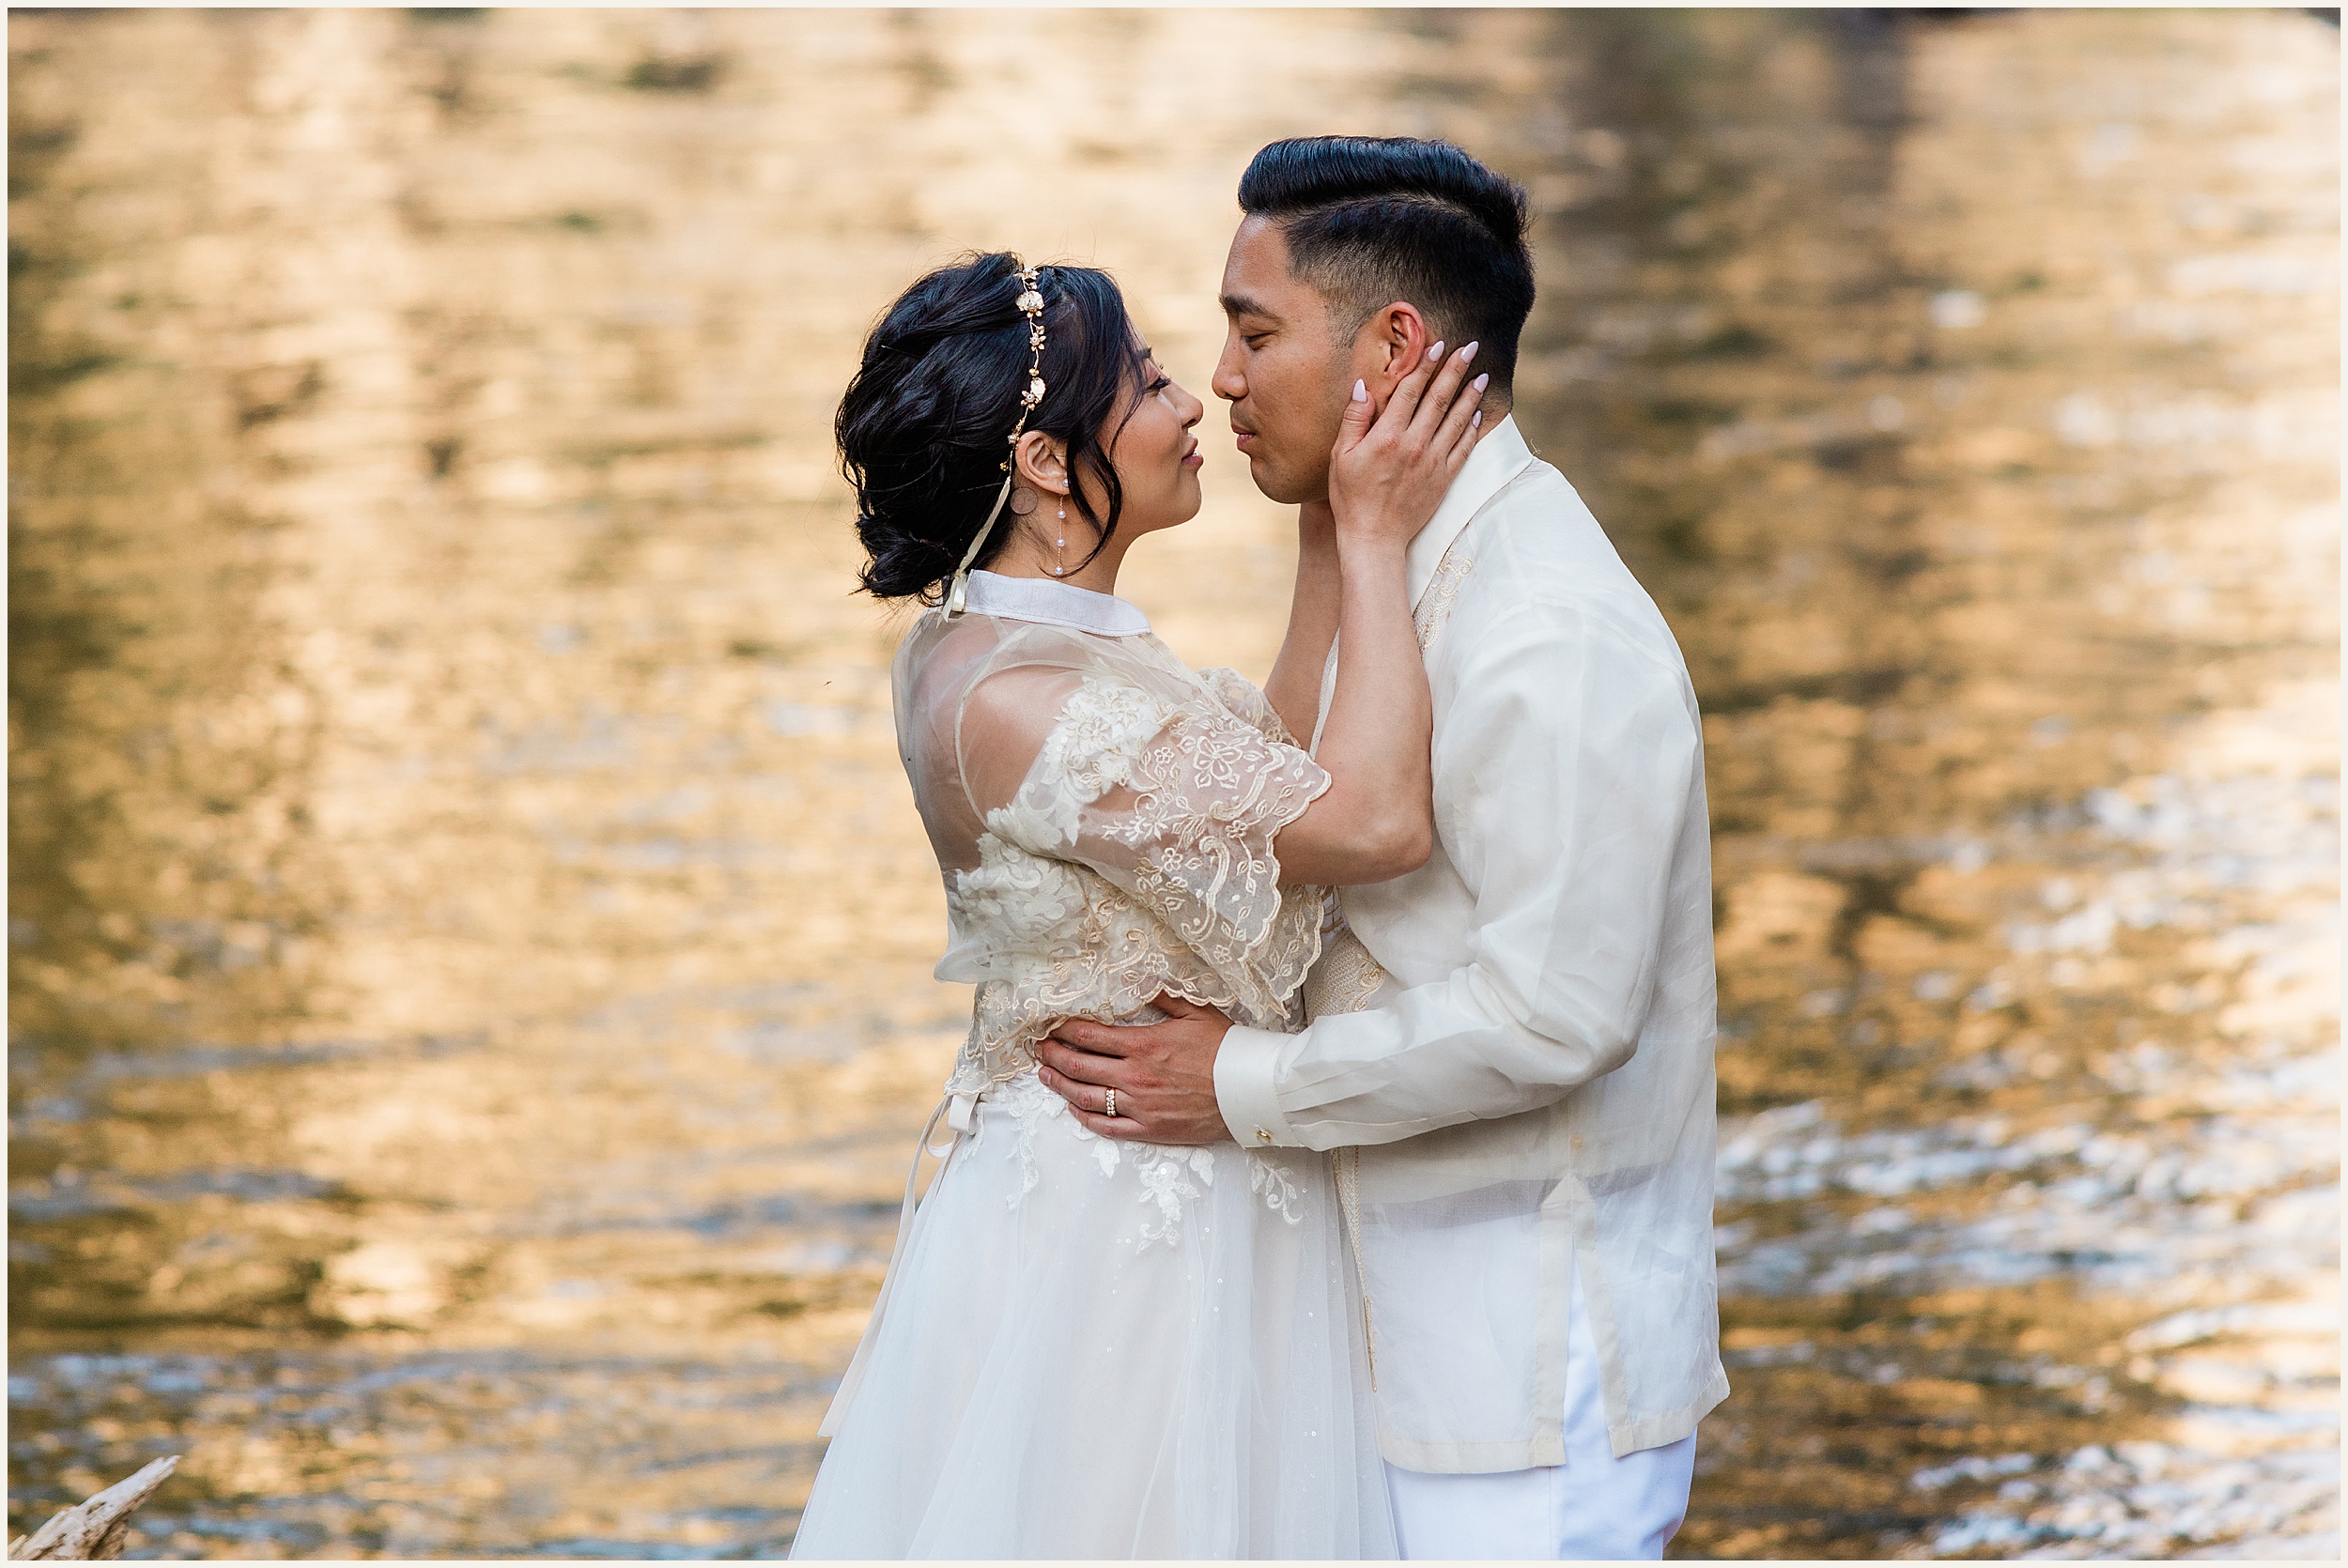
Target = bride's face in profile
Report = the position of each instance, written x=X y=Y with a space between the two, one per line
x=1157 y=456
x=1150 y=445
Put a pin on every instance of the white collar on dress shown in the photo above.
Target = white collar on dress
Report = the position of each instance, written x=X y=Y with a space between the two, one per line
x=1498 y=458
x=1063 y=603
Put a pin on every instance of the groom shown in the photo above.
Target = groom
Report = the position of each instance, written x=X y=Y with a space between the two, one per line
x=1519 y=1088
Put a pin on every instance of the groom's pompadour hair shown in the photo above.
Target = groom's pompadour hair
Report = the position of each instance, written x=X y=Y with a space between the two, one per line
x=1370 y=219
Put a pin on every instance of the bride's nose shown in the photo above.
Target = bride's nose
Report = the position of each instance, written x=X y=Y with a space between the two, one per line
x=1192 y=411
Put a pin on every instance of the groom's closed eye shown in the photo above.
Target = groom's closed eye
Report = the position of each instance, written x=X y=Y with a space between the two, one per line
x=1248 y=314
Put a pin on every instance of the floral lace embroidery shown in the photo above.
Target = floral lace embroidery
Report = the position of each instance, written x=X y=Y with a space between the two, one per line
x=1028 y=1102
x=1098 y=904
x=1164 y=1174
x=1442 y=592
x=1269 y=1180
x=1246 y=700
x=1345 y=979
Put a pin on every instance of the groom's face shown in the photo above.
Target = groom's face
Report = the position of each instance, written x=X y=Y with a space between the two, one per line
x=1284 y=370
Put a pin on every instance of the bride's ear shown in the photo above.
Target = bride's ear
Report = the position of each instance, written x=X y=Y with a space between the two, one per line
x=1041 y=462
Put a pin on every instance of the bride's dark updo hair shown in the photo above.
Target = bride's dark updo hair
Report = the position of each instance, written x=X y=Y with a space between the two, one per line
x=926 y=422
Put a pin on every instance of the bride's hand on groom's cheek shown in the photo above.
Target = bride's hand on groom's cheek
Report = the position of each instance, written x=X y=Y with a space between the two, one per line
x=1164 y=1074
x=1391 y=466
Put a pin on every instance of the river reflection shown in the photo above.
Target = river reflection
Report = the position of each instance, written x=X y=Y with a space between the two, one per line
x=470 y=936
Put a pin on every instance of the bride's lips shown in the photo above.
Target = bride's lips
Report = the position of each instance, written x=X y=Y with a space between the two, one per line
x=1193 y=458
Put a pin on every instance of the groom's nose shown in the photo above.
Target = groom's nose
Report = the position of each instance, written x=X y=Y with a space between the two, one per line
x=1228 y=383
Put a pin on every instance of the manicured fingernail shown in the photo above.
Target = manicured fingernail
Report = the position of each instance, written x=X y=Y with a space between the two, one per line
x=1436 y=353
x=1475 y=419
x=1361 y=392
x=1481 y=381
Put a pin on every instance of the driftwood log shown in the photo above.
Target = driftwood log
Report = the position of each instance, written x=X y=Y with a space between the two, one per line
x=96 y=1528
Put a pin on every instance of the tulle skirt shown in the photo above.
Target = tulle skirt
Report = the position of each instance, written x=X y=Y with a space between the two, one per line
x=1099 y=1350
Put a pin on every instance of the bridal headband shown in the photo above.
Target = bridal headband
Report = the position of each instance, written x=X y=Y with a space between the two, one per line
x=1031 y=303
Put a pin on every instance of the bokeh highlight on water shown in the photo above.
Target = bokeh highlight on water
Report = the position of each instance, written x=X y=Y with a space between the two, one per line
x=470 y=936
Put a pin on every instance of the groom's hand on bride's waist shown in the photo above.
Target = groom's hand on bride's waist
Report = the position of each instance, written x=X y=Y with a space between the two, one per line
x=1164 y=1074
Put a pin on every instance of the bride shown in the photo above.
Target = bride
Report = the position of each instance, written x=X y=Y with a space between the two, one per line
x=1088 y=1345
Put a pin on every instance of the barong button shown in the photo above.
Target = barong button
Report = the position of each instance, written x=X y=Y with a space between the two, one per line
x=1262 y=1136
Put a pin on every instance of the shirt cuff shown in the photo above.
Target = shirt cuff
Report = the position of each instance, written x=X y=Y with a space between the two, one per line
x=1243 y=1088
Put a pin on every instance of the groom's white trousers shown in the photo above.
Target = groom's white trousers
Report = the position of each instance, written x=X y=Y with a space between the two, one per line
x=1594 y=1505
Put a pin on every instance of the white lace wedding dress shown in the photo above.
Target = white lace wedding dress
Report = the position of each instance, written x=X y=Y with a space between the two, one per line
x=1092 y=1348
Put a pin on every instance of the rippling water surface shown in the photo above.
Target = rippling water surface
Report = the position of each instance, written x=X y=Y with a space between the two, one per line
x=470 y=936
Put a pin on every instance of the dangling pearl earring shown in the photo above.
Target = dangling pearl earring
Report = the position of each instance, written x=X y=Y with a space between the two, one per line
x=1062 y=570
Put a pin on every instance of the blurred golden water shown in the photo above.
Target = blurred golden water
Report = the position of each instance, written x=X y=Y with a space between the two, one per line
x=470 y=936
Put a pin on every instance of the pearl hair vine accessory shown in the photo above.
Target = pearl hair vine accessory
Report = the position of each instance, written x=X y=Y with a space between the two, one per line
x=1029 y=304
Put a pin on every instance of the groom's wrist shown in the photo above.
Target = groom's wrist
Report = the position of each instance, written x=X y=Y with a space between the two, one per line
x=1243 y=1071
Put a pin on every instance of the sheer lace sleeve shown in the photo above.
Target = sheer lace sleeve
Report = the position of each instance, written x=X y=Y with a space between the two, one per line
x=1245 y=698
x=1170 y=796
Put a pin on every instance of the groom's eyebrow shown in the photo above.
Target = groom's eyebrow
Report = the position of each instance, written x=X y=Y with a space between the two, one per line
x=1239 y=304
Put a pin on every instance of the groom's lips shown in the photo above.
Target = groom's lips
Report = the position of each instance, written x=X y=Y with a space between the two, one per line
x=1245 y=435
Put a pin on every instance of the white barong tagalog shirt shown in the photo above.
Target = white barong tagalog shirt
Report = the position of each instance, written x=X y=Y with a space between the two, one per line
x=1528 y=1086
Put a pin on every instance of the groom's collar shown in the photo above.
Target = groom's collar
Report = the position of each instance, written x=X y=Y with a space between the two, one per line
x=1498 y=458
